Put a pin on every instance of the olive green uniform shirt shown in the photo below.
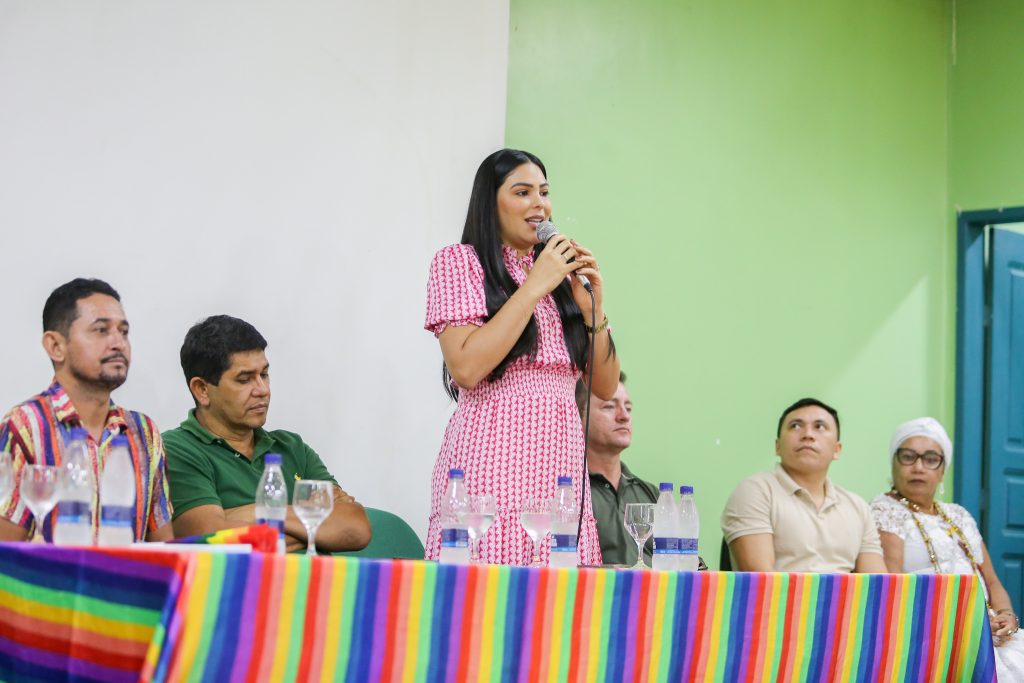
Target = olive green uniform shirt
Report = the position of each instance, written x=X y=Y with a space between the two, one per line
x=617 y=546
x=202 y=469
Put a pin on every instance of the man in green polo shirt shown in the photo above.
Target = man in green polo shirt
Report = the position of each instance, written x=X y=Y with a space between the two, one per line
x=612 y=485
x=215 y=457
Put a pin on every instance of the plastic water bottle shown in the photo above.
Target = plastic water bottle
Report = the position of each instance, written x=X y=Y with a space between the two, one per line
x=454 y=534
x=564 y=526
x=666 y=531
x=272 y=497
x=689 y=528
x=74 y=511
x=117 y=495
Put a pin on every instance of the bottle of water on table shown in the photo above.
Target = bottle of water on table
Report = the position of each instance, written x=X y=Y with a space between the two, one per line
x=272 y=497
x=666 y=531
x=565 y=526
x=117 y=495
x=689 y=526
x=75 y=508
x=454 y=533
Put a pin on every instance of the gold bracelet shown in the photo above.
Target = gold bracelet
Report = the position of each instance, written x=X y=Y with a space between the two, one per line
x=600 y=328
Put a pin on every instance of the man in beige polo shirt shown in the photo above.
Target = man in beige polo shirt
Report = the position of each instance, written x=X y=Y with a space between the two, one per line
x=795 y=519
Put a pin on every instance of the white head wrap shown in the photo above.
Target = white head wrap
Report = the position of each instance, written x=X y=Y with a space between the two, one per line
x=922 y=426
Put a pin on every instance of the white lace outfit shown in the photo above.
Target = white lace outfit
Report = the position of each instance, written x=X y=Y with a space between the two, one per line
x=894 y=517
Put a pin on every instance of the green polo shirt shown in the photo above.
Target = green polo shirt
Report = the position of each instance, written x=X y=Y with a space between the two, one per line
x=202 y=469
x=617 y=546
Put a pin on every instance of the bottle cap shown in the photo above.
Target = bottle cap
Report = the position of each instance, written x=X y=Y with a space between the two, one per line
x=456 y=473
x=119 y=441
x=666 y=486
x=565 y=481
x=272 y=459
x=78 y=434
x=683 y=490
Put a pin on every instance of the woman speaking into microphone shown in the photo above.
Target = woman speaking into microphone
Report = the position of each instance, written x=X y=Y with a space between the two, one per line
x=513 y=320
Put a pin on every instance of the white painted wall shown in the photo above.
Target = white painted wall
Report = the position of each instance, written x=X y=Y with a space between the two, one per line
x=295 y=164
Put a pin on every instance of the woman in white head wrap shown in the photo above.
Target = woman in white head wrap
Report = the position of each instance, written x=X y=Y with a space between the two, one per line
x=921 y=535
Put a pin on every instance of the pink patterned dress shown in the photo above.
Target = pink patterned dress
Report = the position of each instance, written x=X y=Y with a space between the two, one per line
x=515 y=436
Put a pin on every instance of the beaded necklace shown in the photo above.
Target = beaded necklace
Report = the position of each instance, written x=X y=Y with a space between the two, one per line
x=954 y=532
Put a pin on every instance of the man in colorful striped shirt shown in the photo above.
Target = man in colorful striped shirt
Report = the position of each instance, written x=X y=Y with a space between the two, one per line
x=85 y=334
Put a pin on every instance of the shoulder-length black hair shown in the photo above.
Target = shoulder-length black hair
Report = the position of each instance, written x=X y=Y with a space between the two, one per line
x=483 y=232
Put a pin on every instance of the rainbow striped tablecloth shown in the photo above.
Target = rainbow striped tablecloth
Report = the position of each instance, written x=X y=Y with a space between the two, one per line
x=269 y=618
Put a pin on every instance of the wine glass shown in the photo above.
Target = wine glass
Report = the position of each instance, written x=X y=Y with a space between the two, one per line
x=6 y=476
x=536 y=518
x=478 y=517
x=40 y=487
x=312 y=501
x=639 y=522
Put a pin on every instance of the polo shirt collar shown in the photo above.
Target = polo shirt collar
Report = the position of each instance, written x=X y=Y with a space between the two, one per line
x=625 y=476
x=626 y=472
x=66 y=413
x=791 y=487
x=264 y=440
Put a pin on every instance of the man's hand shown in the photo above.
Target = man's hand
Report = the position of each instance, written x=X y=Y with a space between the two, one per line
x=293 y=544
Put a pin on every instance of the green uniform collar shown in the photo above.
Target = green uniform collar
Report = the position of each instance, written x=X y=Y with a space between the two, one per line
x=624 y=475
x=263 y=444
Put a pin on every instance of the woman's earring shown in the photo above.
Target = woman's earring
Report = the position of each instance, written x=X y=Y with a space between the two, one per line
x=942 y=488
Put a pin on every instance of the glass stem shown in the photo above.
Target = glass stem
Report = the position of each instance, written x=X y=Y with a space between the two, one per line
x=311 y=539
x=474 y=550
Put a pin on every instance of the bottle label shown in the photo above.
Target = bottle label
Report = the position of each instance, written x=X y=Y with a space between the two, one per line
x=564 y=543
x=117 y=515
x=454 y=537
x=74 y=512
x=688 y=546
x=667 y=545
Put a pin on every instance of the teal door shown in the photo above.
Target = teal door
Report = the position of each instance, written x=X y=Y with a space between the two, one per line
x=1003 y=463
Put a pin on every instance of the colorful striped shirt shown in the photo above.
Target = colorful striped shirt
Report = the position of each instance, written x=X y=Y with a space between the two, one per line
x=34 y=432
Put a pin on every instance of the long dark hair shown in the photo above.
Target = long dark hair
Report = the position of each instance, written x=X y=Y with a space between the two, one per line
x=483 y=232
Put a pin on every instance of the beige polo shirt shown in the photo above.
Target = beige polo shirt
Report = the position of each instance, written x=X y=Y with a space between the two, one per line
x=806 y=539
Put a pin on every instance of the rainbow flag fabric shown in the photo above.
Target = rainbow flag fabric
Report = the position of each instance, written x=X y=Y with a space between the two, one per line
x=71 y=614
x=259 y=536
x=68 y=614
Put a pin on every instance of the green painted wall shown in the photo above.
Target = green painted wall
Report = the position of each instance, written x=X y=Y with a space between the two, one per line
x=987 y=106
x=765 y=185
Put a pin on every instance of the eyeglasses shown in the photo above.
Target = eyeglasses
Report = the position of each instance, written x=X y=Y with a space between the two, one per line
x=930 y=459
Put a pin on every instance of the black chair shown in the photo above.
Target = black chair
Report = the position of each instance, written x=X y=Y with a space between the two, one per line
x=724 y=561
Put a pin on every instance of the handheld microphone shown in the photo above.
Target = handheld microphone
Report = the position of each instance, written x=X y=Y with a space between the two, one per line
x=545 y=231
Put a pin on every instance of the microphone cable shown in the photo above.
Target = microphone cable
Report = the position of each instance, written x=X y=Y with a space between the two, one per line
x=588 y=380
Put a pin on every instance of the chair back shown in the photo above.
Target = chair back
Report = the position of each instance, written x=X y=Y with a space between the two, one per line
x=392 y=538
x=724 y=561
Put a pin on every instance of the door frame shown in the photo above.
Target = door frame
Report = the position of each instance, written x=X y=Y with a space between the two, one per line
x=969 y=436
